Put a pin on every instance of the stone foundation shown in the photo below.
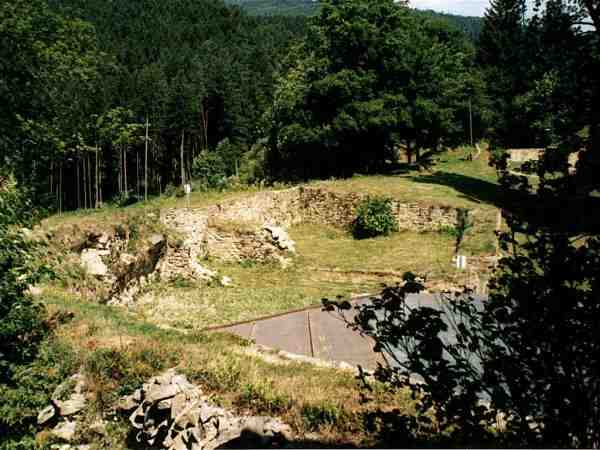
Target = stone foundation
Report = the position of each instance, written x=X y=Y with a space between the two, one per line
x=320 y=206
x=247 y=237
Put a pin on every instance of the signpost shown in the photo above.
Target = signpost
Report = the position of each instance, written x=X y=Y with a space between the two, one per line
x=187 y=188
x=461 y=261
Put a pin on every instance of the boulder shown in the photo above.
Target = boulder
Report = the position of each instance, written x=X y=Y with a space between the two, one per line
x=281 y=238
x=65 y=430
x=46 y=415
x=92 y=262
x=71 y=406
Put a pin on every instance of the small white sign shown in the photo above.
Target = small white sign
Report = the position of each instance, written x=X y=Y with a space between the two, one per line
x=461 y=261
x=187 y=188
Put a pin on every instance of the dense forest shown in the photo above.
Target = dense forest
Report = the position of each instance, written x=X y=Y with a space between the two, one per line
x=197 y=71
x=117 y=103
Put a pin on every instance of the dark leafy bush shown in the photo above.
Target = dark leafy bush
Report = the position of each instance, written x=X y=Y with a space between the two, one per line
x=210 y=170
x=374 y=217
x=126 y=199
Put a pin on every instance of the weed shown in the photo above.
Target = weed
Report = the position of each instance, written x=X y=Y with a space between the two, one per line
x=262 y=397
x=448 y=231
x=325 y=414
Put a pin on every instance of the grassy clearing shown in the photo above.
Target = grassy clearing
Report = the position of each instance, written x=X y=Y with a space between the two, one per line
x=121 y=348
x=330 y=262
x=119 y=351
x=257 y=290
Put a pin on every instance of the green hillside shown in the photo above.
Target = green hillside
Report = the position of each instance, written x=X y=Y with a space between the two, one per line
x=470 y=25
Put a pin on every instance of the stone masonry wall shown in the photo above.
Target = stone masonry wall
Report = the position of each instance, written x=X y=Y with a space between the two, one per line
x=282 y=208
x=321 y=206
x=239 y=246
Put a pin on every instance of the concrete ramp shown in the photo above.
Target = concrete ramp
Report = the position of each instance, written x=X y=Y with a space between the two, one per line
x=324 y=335
x=310 y=332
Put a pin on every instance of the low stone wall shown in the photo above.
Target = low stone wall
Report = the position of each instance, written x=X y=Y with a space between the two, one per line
x=282 y=208
x=525 y=154
x=239 y=246
x=321 y=206
x=415 y=217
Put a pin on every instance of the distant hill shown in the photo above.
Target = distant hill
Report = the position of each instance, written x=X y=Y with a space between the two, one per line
x=469 y=24
x=277 y=7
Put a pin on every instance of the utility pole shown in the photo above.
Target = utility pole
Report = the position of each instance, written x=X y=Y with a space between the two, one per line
x=146 y=162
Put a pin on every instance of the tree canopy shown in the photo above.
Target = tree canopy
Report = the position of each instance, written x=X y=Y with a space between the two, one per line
x=370 y=76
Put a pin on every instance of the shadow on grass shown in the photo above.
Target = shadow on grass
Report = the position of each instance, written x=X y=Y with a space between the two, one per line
x=569 y=214
x=473 y=189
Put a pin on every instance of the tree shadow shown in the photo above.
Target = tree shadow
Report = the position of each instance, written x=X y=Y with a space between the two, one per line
x=251 y=439
x=473 y=189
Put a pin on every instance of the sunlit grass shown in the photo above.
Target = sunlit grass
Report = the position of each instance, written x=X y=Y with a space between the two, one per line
x=226 y=372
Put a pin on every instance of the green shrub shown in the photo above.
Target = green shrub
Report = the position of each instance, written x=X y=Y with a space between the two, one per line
x=374 y=217
x=127 y=368
x=30 y=390
x=252 y=165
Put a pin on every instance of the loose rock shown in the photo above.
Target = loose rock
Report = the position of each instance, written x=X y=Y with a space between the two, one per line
x=46 y=414
x=92 y=262
x=172 y=413
x=65 y=430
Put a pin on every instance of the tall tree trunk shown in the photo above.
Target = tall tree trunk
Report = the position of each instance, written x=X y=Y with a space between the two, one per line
x=51 y=175
x=97 y=196
x=204 y=117
x=137 y=172
x=89 y=177
x=146 y=162
x=85 y=195
x=181 y=160
x=125 y=170
x=60 y=171
x=77 y=182
x=120 y=170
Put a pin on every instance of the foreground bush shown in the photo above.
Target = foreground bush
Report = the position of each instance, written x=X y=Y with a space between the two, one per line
x=374 y=217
